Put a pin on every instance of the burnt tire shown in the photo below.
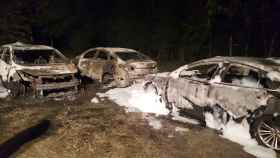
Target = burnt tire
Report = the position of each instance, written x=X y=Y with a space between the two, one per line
x=107 y=78
x=121 y=83
x=266 y=130
x=17 y=88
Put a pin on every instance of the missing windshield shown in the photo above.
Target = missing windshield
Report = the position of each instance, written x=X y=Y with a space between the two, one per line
x=37 y=57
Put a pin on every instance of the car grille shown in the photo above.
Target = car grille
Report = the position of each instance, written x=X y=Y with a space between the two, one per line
x=57 y=79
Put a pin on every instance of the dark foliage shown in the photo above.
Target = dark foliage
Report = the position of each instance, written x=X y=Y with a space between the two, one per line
x=184 y=30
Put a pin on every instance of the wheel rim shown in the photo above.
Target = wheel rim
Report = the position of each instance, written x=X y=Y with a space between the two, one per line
x=107 y=79
x=269 y=135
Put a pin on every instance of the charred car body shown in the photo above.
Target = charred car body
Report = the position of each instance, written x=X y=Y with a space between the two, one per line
x=119 y=64
x=228 y=87
x=39 y=69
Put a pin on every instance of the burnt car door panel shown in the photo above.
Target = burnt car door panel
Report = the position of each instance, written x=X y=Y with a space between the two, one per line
x=98 y=64
x=93 y=63
x=241 y=90
x=85 y=64
x=192 y=86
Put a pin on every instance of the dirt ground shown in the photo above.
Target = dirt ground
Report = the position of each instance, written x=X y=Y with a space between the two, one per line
x=80 y=128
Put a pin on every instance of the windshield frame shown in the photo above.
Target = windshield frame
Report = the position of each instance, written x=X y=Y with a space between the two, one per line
x=63 y=58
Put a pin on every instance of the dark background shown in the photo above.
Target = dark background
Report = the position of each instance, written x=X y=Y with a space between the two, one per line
x=166 y=30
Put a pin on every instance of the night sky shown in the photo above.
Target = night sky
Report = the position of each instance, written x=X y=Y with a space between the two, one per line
x=160 y=28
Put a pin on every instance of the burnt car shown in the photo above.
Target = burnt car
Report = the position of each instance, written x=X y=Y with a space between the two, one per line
x=235 y=88
x=38 y=70
x=121 y=65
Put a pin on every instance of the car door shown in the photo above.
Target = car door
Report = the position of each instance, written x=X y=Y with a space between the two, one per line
x=5 y=64
x=98 y=64
x=240 y=89
x=85 y=62
x=192 y=86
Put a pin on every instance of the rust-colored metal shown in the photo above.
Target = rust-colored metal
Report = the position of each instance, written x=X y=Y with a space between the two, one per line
x=122 y=71
x=49 y=72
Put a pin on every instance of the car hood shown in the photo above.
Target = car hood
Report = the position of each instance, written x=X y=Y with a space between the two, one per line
x=143 y=64
x=175 y=74
x=50 y=70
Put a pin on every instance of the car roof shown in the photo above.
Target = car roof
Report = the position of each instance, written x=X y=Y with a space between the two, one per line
x=115 y=49
x=266 y=64
x=25 y=46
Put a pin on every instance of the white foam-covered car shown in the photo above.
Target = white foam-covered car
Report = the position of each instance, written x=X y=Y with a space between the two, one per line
x=229 y=87
x=36 y=69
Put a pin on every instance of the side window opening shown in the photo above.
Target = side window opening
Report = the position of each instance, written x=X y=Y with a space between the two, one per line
x=90 y=54
x=269 y=84
x=1 y=52
x=243 y=76
x=6 y=56
x=102 y=55
x=204 y=72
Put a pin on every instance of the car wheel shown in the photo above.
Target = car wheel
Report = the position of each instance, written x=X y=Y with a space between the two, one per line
x=107 y=78
x=16 y=87
x=266 y=130
x=121 y=82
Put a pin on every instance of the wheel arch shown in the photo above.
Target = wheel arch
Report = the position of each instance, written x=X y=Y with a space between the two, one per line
x=273 y=107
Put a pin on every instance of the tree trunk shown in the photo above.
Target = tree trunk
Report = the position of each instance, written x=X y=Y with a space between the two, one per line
x=182 y=54
x=271 y=47
x=230 y=45
x=210 y=43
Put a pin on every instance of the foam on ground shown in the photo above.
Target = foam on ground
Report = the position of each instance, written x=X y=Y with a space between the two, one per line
x=136 y=99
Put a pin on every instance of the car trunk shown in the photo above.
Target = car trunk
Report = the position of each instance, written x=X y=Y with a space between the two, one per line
x=139 y=69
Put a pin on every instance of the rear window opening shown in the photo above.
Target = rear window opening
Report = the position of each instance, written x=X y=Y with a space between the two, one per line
x=131 y=56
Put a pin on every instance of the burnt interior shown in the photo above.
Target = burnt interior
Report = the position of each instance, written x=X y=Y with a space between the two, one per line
x=56 y=79
x=37 y=57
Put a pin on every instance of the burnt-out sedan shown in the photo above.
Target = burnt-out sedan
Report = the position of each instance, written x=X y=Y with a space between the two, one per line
x=229 y=87
x=38 y=70
x=121 y=65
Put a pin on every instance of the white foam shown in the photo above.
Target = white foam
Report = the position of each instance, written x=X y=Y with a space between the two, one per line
x=95 y=100
x=154 y=122
x=4 y=92
x=181 y=129
x=239 y=133
x=136 y=99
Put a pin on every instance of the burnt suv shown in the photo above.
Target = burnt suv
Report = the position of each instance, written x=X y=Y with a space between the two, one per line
x=38 y=70
x=230 y=87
